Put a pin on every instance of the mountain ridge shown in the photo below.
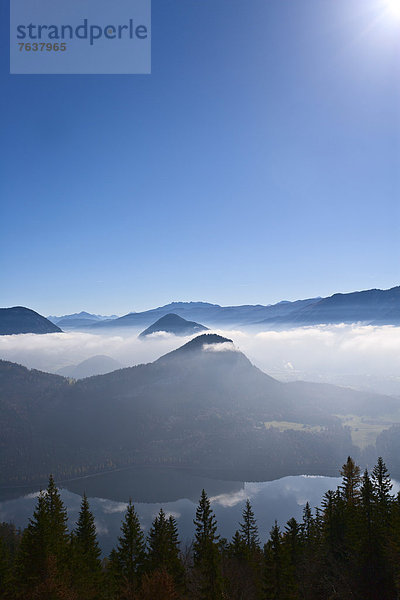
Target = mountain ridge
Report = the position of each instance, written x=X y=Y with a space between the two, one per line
x=19 y=320
x=374 y=307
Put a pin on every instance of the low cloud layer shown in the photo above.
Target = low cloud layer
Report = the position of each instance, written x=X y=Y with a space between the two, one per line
x=365 y=357
x=52 y=351
x=362 y=357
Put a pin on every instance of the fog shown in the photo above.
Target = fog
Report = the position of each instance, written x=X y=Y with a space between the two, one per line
x=364 y=357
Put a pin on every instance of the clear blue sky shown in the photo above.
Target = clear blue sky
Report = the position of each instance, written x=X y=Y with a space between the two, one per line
x=260 y=161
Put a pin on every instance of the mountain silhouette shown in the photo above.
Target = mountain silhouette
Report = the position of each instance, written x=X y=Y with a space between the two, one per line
x=376 y=307
x=206 y=313
x=95 y=365
x=79 y=320
x=175 y=324
x=24 y=320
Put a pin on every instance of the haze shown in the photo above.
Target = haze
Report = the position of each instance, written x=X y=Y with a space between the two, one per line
x=351 y=355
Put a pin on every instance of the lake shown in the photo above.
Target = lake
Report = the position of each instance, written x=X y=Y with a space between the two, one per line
x=177 y=492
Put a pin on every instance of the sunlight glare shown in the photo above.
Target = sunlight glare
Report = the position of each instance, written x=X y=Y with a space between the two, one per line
x=394 y=7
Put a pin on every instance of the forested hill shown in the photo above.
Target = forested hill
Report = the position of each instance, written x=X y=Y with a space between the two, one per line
x=203 y=406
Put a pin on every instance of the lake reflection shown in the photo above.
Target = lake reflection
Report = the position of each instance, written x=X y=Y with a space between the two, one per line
x=178 y=493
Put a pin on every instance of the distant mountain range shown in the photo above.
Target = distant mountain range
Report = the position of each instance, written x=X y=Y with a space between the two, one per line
x=208 y=314
x=172 y=323
x=203 y=406
x=370 y=307
x=373 y=307
x=95 y=365
x=24 y=320
x=79 y=320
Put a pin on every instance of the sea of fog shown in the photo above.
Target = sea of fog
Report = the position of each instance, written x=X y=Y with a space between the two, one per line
x=363 y=357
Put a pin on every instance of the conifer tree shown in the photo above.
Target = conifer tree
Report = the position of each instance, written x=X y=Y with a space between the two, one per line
x=274 y=575
x=163 y=547
x=237 y=547
x=207 y=559
x=44 y=552
x=368 y=501
x=383 y=520
x=292 y=539
x=87 y=569
x=382 y=484
x=31 y=556
x=308 y=525
x=127 y=561
x=370 y=551
x=58 y=536
x=291 y=555
x=351 y=474
x=248 y=528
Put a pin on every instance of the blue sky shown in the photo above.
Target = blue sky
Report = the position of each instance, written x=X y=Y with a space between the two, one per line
x=260 y=161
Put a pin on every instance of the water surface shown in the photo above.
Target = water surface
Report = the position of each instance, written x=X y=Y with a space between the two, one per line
x=177 y=492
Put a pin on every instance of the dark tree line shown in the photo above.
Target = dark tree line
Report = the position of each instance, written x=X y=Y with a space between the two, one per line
x=348 y=548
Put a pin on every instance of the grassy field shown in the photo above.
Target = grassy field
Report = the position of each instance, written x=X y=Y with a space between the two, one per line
x=364 y=430
x=285 y=425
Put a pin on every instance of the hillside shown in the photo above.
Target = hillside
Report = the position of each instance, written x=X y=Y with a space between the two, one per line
x=203 y=406
x=24 y=320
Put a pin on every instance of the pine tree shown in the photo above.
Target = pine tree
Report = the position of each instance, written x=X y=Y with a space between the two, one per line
x=43 y=556
x=58 y=536
x=382 y=484
x=383 y=525
x=126 y=563
x=237 y=547
x=207 y=559
x=309 y=568
x=351 y=474
x=369 y=553
x=274 y=571
x=163 y=547
x=292 y=548
x=308 y=525
x=31 y=557
x=333 y=523
x=248 y=528
x=87 y=569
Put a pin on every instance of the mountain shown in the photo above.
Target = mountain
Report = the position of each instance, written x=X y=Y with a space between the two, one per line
x=95 y=365
x=373 y=307
x=203 y=406
x=24 y=320
x=79 y=320
x=208 y=314
x=376 y=307
x=175 y=324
